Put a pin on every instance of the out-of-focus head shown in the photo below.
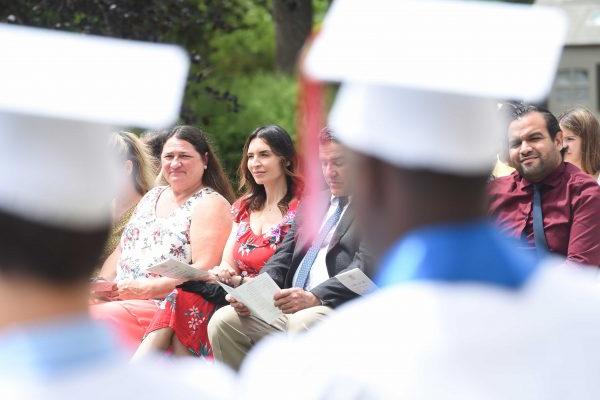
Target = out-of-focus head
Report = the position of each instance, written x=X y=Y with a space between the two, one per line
x=422 y=158
x=334 y=163
x=535 y=141
x=581 y=138
x=189 y=162
x=155 y=140
x=424 y=142
x=59 y=174
x=55 y=208
x=136 y=161
x=268 y=155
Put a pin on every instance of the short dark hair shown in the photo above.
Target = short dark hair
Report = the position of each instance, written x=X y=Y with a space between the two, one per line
x=519 y=110
x=327 y=136
x=46 y=253
x=155 y=140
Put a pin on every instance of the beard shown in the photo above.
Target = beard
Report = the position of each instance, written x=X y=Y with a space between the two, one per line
x=534 y=171
x=539 y=169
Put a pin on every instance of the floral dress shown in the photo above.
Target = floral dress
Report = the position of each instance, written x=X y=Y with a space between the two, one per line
x=148 y=240
x=188 y=313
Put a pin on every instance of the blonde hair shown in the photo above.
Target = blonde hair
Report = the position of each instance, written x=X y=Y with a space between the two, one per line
x=129 y=147
x=584 y=124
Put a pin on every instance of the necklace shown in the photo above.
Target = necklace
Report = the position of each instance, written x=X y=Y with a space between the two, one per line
x=269 y=208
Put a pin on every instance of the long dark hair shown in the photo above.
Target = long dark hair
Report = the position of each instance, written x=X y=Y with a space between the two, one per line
x=281 y=145
x=214 y=176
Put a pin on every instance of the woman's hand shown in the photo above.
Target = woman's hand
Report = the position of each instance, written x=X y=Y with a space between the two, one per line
x=102 y=290
x=239 y=280
x=211 y=277
x=224 y=273
x=135 y=289
x=236 y=280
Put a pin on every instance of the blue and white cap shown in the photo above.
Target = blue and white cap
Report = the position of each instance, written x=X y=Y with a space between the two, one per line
x=420 y=78
x=62 y=96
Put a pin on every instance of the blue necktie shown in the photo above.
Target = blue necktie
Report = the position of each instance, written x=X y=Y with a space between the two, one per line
x=538 y=222
x=311 y=254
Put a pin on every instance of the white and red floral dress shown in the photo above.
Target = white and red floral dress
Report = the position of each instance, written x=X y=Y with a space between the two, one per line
x=188 y=313
x=147 y=240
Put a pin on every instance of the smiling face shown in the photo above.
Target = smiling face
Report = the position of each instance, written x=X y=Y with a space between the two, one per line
x=572 y=143
x=264 y=165
x=335 y=167
x=533 y=153
x=182 y=166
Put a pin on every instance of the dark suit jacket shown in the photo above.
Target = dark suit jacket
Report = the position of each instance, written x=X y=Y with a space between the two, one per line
x=346 y=251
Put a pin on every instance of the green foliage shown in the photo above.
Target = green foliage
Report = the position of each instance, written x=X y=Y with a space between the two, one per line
x=264 y=98
x=232 y=88
x=248 y=49
x=320 y=8
x=243 y=62
x=189 y=23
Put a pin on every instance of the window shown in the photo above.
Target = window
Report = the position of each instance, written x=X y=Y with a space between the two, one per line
x=572 y=86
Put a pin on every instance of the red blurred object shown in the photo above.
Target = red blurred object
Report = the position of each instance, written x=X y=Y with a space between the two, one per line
x=310 y=122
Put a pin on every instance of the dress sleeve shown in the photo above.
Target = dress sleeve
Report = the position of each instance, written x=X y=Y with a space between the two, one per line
x=239 y=210
x=293 y=206
x=288 y=220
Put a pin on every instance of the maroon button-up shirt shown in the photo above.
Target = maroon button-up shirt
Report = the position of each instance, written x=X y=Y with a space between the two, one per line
x=570 y=209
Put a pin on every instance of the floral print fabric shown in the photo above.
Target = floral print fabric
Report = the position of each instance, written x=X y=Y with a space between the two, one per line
x=252 y=251
x=148 y=239
x=188 y=313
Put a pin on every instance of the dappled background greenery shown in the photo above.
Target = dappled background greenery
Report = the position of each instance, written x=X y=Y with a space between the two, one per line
x=236 y=81
x=242 y=52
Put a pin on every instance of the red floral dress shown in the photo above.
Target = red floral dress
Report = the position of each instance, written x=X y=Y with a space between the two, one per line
x=188 y=313
x=147 y=240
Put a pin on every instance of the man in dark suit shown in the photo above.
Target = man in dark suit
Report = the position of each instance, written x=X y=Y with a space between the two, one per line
x=303 y=266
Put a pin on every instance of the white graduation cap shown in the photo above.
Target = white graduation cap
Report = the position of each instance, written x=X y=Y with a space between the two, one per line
x=61 y=96
x=420 y=78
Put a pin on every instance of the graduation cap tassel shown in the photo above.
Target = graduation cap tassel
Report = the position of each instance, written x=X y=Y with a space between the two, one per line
x=310 y=122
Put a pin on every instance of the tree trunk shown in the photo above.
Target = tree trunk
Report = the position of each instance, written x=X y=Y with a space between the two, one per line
x=293 y=23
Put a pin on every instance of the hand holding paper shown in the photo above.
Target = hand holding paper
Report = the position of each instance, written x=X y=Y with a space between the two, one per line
x=295 y=299
x=257 y=295
x=239 y=307
x=172 y=268
x=357 y=281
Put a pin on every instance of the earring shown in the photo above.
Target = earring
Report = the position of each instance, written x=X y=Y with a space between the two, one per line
x=206 y=167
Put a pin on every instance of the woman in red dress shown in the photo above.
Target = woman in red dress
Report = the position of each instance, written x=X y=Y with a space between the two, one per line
x=262 y=217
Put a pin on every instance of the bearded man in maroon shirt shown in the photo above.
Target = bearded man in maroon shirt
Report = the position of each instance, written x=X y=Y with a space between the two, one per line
x=551 y=204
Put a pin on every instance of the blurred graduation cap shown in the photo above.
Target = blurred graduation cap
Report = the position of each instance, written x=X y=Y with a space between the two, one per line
x=62 y=94
x=420 y=78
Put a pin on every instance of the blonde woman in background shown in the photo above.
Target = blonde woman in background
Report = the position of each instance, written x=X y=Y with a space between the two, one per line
x=137 y=168
x=581 y=138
